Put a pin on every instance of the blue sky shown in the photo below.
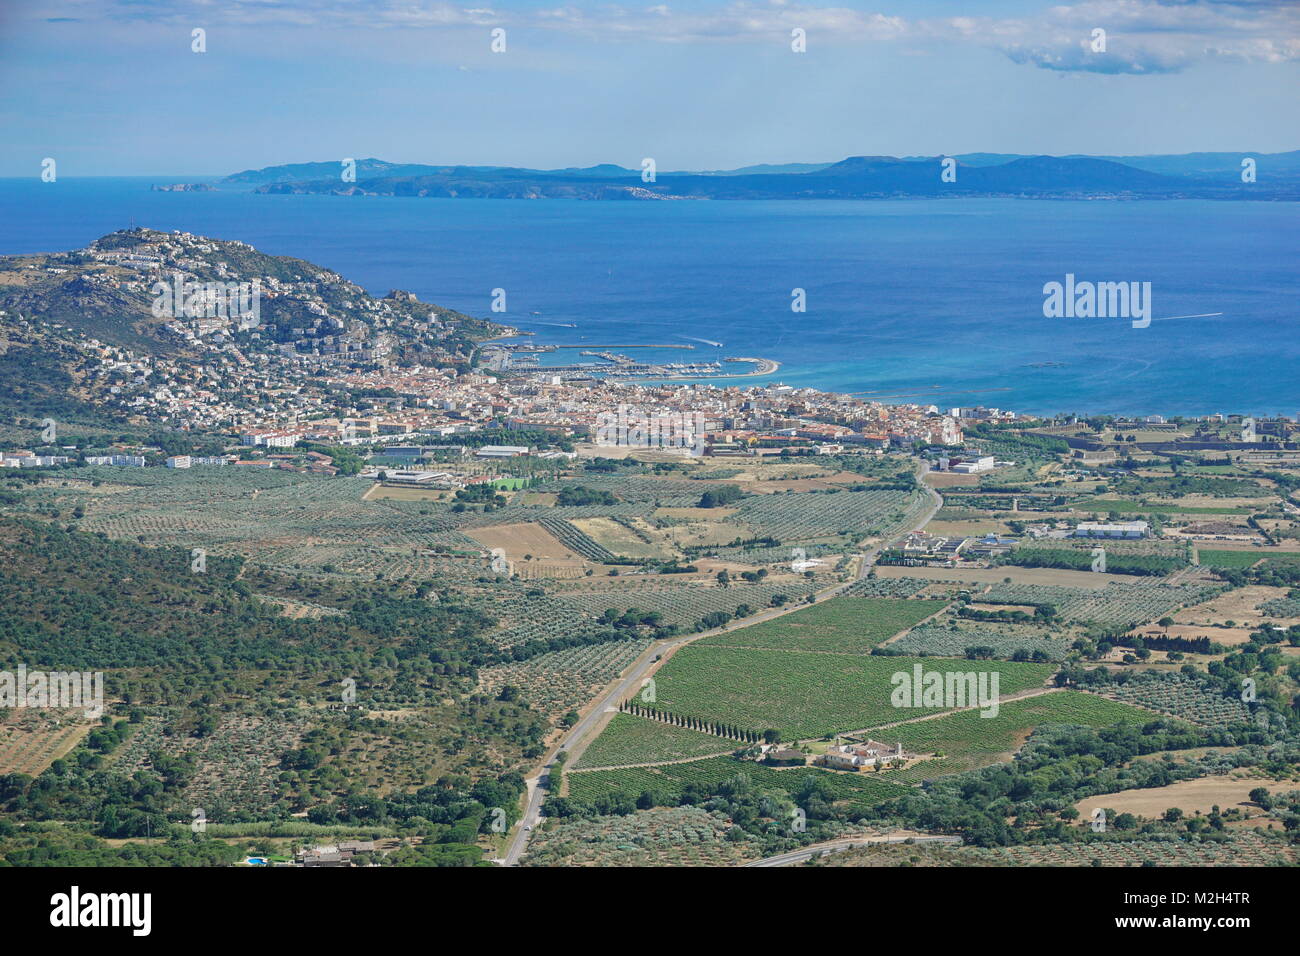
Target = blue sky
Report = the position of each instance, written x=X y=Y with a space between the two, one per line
x=111 y=87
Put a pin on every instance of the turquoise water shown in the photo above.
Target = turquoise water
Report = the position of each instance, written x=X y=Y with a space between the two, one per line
x=913 y=300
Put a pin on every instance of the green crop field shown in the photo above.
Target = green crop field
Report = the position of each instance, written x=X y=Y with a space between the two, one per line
x=669 y=781
x=968 y=740
x=844 y=625
x=1246 y=559
x=806 y=695
x=628 y=739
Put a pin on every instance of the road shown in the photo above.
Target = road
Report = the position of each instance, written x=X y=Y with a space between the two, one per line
x=839 y=846
x=585 y=730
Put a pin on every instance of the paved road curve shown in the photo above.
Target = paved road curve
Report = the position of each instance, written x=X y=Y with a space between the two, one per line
x=839 y=846
x=584 y=731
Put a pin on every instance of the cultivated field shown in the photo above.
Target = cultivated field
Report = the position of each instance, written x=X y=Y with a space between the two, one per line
x=400 y=493
x=968 y=740
x=636 y=539
x=1046 y=576
x=952 y=640
x=521 y=540
x=1182 y=697
x=32 y=739
x=627 y=739
x=843 y=625
x=806 y=695
x=566 y=680
x=1241 y=605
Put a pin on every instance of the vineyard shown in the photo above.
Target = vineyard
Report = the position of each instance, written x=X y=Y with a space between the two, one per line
x=1241 y=560
x=525 y=615
x=805 y=695
x=843 y=625
x=686 y=605
x=792 y=518
x=628 y=740
x=1180 y=696
x=773 y=555
x=886 y=587
x=968 y=740
x=952 y=641
x=561 y=681
x=1117 y=605
x=668 y=781
x=575 y=540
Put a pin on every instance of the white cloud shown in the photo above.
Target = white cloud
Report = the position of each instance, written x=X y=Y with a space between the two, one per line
x=1143 y=36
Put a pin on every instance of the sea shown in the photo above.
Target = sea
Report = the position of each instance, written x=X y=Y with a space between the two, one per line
x=928 y=301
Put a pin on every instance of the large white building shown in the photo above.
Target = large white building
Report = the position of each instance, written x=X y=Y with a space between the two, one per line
x=270 y=439
x=984 y=463
x=1119 y=529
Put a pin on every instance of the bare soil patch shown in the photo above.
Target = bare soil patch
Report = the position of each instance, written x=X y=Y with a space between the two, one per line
x=949 y=479
x=1202 y=794
x=1240 y=606
x=395 y=493
x=519 y=540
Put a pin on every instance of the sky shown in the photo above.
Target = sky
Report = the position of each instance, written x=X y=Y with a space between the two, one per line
x=116 y=87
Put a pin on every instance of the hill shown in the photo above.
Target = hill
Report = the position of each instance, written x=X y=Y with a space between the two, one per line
x=80 y=329
x=857 y=177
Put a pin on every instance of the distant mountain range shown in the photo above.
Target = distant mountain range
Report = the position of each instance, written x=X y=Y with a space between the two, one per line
x=1191 y=175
